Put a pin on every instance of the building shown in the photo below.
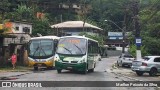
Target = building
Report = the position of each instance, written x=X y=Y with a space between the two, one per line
x=21 y=30
x=14 y=40
x=116 y=39
x=75 y=28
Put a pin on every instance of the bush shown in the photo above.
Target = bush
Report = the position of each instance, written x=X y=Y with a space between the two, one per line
x=132 y=50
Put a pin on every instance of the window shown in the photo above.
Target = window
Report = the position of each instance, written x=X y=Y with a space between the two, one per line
x=72 y=46
x=17 y=28
x=157 y=59
x=128 y=56
x=93 y=47
x=26 y=29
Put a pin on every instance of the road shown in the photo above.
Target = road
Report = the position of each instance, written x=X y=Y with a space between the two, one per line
x=103 y=72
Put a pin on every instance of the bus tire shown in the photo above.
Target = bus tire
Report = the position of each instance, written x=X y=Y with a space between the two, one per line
x=91 y=70
x=59 y=70
x=50 y=68
x=36 y=68
x=85 y=71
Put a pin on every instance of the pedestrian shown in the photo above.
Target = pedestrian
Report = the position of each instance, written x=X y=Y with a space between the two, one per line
x=14 y=60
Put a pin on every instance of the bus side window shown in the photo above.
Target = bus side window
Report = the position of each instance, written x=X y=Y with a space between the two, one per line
x=93 y=47
x=89 y=47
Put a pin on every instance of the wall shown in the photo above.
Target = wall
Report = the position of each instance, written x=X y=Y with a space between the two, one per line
x=19 y=27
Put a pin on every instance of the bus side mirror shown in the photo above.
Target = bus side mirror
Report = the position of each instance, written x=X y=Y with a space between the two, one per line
x=55 y=44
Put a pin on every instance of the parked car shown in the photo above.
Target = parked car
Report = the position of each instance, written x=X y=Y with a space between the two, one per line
x=149 y=64
x=125 y=59
x=112 y=47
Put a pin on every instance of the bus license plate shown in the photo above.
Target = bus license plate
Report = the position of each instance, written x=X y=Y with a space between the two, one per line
x=39 y=64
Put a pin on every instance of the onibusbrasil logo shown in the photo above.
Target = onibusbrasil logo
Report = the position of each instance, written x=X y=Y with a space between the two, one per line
x=21 y=84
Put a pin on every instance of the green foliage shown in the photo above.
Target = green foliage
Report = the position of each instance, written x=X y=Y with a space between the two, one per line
x=28 y=14
x=23 y=13
x=95 y=37
x=41 y=26
x=109 y=10
x=4 y=8
x=132 y=50
x=94 y=11
x=150 y=32
x=152 y=45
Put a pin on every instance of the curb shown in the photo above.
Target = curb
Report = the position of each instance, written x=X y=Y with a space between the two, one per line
x=1 y=71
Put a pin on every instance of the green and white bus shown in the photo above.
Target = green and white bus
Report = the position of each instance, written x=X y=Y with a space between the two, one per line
x=76 y=53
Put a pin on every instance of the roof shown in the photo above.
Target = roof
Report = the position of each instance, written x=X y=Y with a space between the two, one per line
x=74 y=24
x=45 y=37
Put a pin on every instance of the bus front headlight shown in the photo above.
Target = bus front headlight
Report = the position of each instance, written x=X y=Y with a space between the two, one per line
x=59 y=60
x=82 y=61
x=56 y=58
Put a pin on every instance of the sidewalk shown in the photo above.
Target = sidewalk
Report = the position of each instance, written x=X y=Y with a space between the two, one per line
x=121 y=70
x=12 y=74
x=8 y=72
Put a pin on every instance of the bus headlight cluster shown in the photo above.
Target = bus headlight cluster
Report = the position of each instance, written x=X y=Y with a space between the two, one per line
x=56 y=58
x=59 y=60
x=82 y=61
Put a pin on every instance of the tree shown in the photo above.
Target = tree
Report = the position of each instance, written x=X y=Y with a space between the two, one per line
x=100 y=39
x=4 y=8
x=23 y=13
x=150 y=32
x=41 y=26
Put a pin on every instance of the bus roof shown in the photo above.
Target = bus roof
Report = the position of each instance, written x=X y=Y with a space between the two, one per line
x=45 y=37
x=80 y=37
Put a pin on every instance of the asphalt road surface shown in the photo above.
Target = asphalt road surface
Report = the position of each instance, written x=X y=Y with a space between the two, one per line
x=102 y=73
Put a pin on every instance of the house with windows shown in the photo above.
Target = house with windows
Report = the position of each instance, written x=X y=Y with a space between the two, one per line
x=14 y=40
x=70 y=28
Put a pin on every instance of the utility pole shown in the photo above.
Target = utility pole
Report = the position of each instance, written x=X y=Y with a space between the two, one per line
x=123 y=31
x=137 y=29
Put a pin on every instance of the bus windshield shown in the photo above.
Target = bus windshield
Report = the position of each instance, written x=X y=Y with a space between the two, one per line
x=72 y=46
x=41 y=48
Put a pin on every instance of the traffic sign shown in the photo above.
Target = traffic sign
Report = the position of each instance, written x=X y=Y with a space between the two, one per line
x=138 y=41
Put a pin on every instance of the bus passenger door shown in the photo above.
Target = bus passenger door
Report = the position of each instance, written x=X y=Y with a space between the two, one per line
x=90 y=57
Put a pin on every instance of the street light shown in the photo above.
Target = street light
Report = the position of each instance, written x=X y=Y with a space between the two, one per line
x=113 y=23
x=123 y=34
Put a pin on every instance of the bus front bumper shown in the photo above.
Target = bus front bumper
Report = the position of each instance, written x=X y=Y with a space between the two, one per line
x=41 y=64
x=70 y=66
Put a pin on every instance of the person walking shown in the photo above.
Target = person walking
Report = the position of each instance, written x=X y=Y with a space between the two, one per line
x=14 y=60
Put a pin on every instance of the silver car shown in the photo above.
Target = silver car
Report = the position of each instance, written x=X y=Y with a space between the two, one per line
x=149 y=64
x=125 y=59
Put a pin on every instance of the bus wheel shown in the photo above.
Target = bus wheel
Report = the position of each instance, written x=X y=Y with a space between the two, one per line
x=36 y=68
x=91 y=70
x=59 y=70
x=85 y=72
x=49 y=68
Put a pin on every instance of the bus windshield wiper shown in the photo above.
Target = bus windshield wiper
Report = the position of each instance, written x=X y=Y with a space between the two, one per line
x=36 y=50
x=67 y=50
x=78 y=48
x=43 y=50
